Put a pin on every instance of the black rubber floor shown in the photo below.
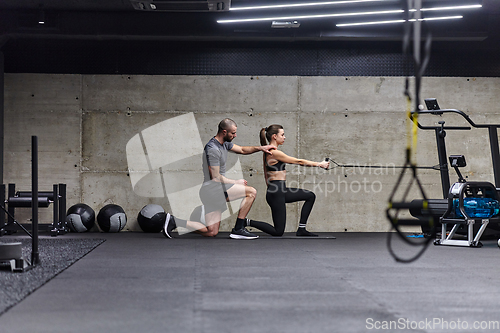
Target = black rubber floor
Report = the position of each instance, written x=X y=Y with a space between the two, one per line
x=55 y=255
x=136 y=282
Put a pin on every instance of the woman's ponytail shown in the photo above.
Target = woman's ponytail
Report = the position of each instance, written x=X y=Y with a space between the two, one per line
x=263 y=141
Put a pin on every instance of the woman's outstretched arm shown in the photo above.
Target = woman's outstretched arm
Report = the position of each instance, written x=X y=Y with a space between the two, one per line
x=282 y=157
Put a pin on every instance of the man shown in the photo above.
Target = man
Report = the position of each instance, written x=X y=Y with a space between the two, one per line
x=217 y=189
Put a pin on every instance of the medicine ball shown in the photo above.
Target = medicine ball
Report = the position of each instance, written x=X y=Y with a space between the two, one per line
x=151 y=218
x=111 y=218
x=80 y=218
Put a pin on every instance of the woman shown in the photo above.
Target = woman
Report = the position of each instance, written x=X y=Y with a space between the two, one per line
x=277 y=193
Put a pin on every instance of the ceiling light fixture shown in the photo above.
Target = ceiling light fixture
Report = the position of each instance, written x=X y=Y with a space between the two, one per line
x=41 y=17
x=297 y=17
x=438 y=18
x=448 y=8
x=398 y=21
x=285 y=24
x=326 y=3
x=369 y=23
x=259 y=19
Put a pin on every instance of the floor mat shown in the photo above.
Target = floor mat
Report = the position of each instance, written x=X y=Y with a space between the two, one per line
x=262 y=235
x=291 y=235
x=55 y=256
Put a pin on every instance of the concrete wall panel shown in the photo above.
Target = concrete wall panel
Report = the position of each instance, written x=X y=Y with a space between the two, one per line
x=353 y=138
x=476 y=96
x=344 y=94
x=43 y=92
x=190 y=93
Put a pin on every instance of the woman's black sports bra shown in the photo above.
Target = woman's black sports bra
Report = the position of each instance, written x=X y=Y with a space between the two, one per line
x=280 y=166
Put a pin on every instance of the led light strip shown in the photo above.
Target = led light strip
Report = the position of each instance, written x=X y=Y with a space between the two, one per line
x=399 y=21
x=438 y=18
x=310 y=16
x=338 y=14
x=448 y=8
x=326 y=3
x=370 y=23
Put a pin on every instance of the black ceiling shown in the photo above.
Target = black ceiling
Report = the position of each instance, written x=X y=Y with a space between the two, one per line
x=118 y=19
x=90 y=22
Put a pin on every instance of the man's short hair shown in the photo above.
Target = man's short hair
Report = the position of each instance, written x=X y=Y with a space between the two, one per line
x=226 y=124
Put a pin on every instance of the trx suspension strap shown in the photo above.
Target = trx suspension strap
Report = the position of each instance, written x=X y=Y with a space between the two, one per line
x=398 y=200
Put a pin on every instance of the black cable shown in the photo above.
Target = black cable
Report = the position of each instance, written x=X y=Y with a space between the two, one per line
x=337 y=165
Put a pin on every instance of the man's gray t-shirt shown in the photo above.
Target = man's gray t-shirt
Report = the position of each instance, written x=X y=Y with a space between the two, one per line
x=215 y=154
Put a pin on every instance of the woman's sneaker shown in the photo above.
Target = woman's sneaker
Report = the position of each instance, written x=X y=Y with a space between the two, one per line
x=242 y=234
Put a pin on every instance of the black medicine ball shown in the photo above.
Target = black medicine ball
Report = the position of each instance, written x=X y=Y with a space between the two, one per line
x=80 y=218
x=151 y=218
x=111 y=218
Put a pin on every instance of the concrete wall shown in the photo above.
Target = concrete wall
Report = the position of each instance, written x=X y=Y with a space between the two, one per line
x=84 y=123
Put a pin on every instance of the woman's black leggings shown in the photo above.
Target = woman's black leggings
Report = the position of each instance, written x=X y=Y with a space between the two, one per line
x=277 y=196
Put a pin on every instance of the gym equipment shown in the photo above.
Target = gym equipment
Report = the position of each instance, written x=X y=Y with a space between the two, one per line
x=395 y=207
x=445 y=209
x=151 y=218
x=367 y=166
x=20 y=264
x=26 y=202
x=111 y=218
x=11 y=256
x=465 y=216
x=80 y=218
x=23 y=199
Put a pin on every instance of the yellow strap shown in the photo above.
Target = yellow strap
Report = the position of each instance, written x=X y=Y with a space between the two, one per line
x=408 y=123
x=412 y=135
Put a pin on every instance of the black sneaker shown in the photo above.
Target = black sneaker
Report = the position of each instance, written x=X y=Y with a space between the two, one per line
x=168 y=226
x=302 y=232
x=242 y=234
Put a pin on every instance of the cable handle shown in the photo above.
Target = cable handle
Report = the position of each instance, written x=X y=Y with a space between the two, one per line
x=327 y=159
